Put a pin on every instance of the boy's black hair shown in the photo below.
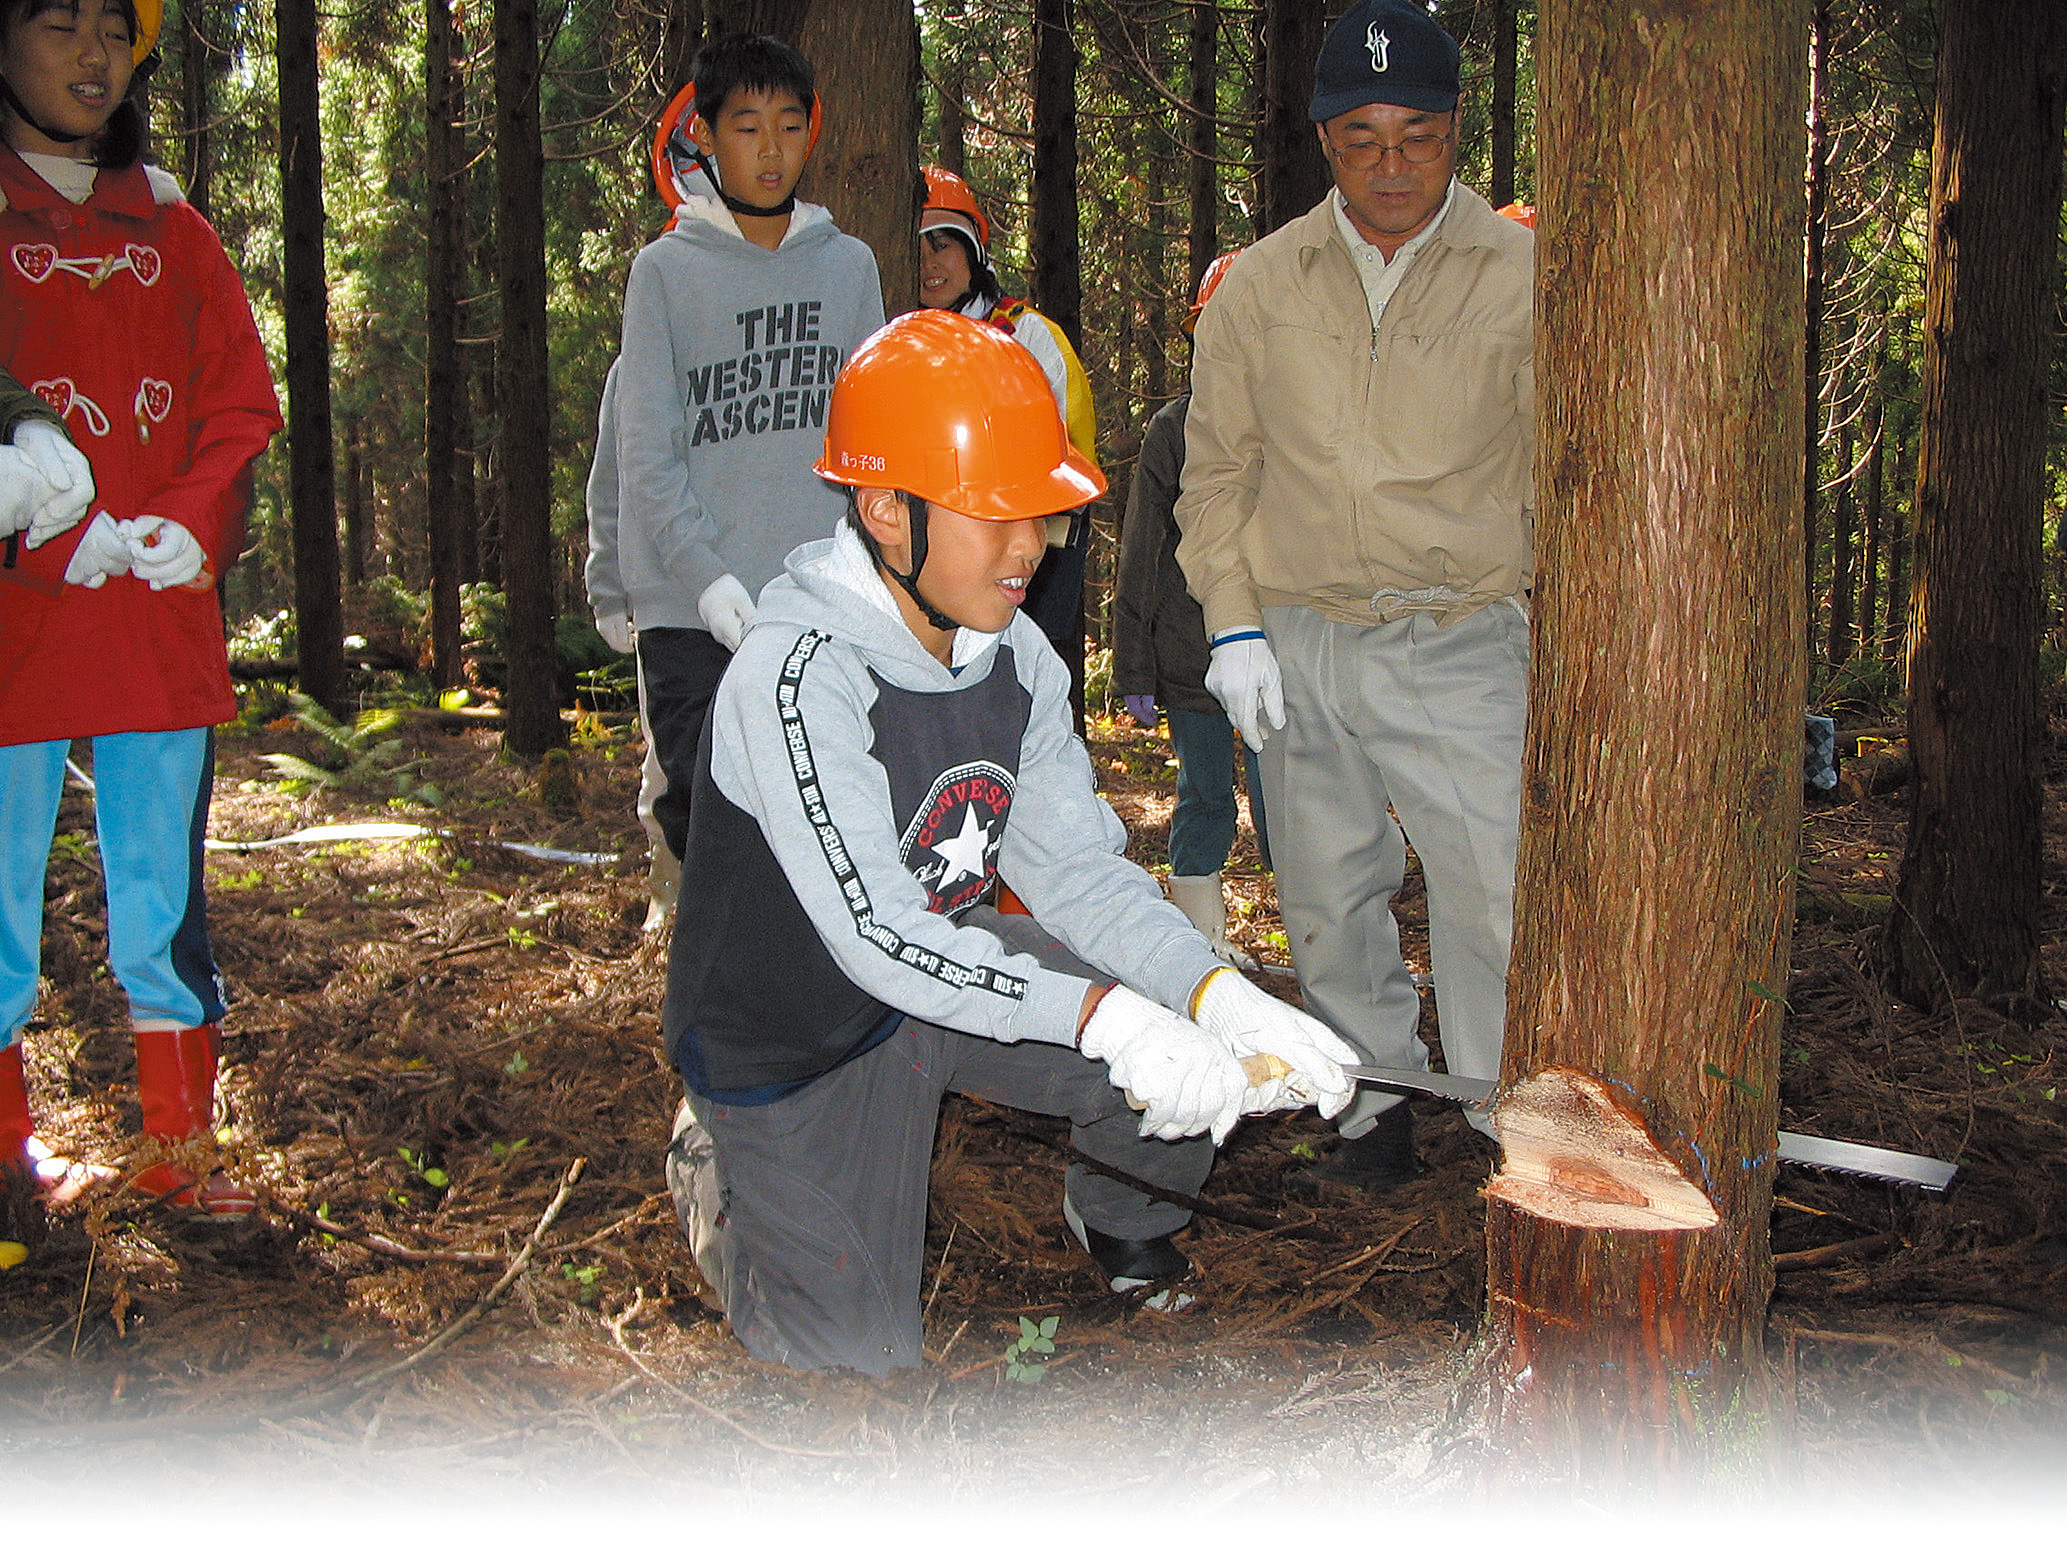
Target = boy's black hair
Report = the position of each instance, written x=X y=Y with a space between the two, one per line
x=120 y=143
x=745 y=61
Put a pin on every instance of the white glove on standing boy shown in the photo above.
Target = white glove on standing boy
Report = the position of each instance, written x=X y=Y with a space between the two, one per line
x=163 y=552
x=1185 y=1081
x=727 y=608
x=616 y=630
x=1243 y=676
x=46 y=484
x=1249 y=1022
x=102 y=552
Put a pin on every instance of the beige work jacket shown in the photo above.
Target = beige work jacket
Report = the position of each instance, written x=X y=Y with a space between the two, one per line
x=1364 y=474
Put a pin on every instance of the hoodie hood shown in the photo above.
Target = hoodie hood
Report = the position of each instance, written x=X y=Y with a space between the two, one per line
x=701 y=217
x=833 y=586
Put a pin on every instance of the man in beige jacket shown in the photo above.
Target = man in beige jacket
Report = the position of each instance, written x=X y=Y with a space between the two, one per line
x=1357 y=518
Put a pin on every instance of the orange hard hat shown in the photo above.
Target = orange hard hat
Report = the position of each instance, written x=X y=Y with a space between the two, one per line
x=946 y=191
x=954 y=412
x=150 y=20
x=1209 y=282
x=675 y=153
x=1518 y=211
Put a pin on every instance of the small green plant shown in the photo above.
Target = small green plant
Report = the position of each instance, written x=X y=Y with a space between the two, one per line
x=1306 y=1151
x=437 y=1178
x=238 y=882
x=501 y=1149
x=584 y=1277
x=516 y=1065
x=522 y=939
x=1035 y=1340
x=364 y=757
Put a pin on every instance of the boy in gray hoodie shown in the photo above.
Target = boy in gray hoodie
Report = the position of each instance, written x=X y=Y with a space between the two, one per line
x=736 y=321
x=892 y=740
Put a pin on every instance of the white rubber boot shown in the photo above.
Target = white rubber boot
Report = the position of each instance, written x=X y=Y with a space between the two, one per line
x=1205 y=906
x=663 y=886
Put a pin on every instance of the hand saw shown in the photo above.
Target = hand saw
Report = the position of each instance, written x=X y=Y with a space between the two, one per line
x=1868 y=1162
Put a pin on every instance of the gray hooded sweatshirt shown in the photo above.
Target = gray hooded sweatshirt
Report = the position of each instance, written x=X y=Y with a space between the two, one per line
x=855 y=798
x=719 y=396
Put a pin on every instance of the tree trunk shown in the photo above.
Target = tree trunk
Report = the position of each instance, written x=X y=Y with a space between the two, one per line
x=1204 y=140
x=1654 y=893
x=1871 y=511
x=1895 y=642
x=1288 y=153
x=1055 y=256
x=525 y=455
x=312 y=464
x=1966 y=907
x=1841 y=556
x=196 y=68
x=1818 y=177
x=954 y=77
x=445 y=380
x=866 y=167
x=1506 y=45
x=354 y=554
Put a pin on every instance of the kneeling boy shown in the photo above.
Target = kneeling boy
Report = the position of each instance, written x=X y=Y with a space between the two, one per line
x=891 y=738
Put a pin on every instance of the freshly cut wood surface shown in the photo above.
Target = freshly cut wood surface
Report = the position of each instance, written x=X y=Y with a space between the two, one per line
x=1572 y=1154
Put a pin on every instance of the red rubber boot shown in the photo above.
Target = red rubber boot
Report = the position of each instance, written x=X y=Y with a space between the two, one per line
x=21 y=1213
x=175 y=1081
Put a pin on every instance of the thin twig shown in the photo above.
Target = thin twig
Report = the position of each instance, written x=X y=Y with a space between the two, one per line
x=373 y=1241
x=1254 y=1221
x=24 y=1354
x=616 y=1328
x=79 y=1323
x=940 y=1274
x=479 y=1310
x=1831 y=1253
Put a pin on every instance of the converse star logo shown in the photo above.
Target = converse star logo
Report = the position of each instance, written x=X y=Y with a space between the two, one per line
x=952 y=846
x=1380 y=46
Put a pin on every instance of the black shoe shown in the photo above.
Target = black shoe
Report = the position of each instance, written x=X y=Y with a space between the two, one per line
x=1127 y=1263
x=1381 y=1158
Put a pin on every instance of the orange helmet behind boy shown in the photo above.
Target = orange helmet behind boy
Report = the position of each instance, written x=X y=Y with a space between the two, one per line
x=944 y=408
x=150 y=20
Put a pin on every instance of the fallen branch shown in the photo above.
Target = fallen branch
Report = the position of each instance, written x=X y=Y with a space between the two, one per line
x=1832 y=1253
x=373 y=1241
x=494 y=1294
x=616 y=1328
x=1255 y=1221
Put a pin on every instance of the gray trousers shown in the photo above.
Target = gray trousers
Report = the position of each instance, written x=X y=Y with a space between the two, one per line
x=807 y=1216
x=1426 y=720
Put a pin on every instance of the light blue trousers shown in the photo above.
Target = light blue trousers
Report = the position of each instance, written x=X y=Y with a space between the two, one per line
x=151 y=814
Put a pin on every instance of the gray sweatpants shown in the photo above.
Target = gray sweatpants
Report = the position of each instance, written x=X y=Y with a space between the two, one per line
x=1426 y=720
x=807 y=1216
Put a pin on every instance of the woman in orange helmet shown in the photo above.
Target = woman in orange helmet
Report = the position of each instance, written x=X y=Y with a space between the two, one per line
x=889 y=738
x=955 y=275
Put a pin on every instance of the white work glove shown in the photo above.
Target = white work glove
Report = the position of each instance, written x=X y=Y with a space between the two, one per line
x=1243 y=676
x=46 y=484
x=1183 y=1079
x=727 y=608
x=102 y=553
x=163 y=552
x=616 y=630
x=1249 y=1022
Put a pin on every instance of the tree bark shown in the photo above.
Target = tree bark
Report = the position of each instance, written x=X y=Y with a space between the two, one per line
x=353 y=558
x=1204 y=140
x=1288 y=153
x=445 y=382
x=954 y=77
x=312 y=463
x=525 y=456
x=1654 y=893
x=866 y=167
x=1842 y=582
x=1506 y=46
x=1967 y=904
x=1818 y=179
x=196 y=70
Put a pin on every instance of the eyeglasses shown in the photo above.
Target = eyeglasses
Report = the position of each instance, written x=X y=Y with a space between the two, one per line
x=1363 y=155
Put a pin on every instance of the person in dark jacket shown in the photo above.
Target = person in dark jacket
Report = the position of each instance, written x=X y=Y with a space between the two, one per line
x=1159 y=657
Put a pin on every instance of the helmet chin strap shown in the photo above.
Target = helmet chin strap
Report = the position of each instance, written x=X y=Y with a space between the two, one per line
x=909 y=580
x=21 y=111
x=740 y=206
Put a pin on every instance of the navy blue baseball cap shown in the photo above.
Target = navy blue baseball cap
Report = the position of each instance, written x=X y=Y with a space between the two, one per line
x=1385 y=51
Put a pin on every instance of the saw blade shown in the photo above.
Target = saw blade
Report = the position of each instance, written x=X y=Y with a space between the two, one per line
x=1866 y=1162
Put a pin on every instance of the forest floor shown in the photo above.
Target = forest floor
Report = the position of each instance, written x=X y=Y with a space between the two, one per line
x=429 y=1038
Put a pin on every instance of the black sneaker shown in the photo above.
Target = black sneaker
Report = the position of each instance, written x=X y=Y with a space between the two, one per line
x=1381 y=1158
x=1127 y=1263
